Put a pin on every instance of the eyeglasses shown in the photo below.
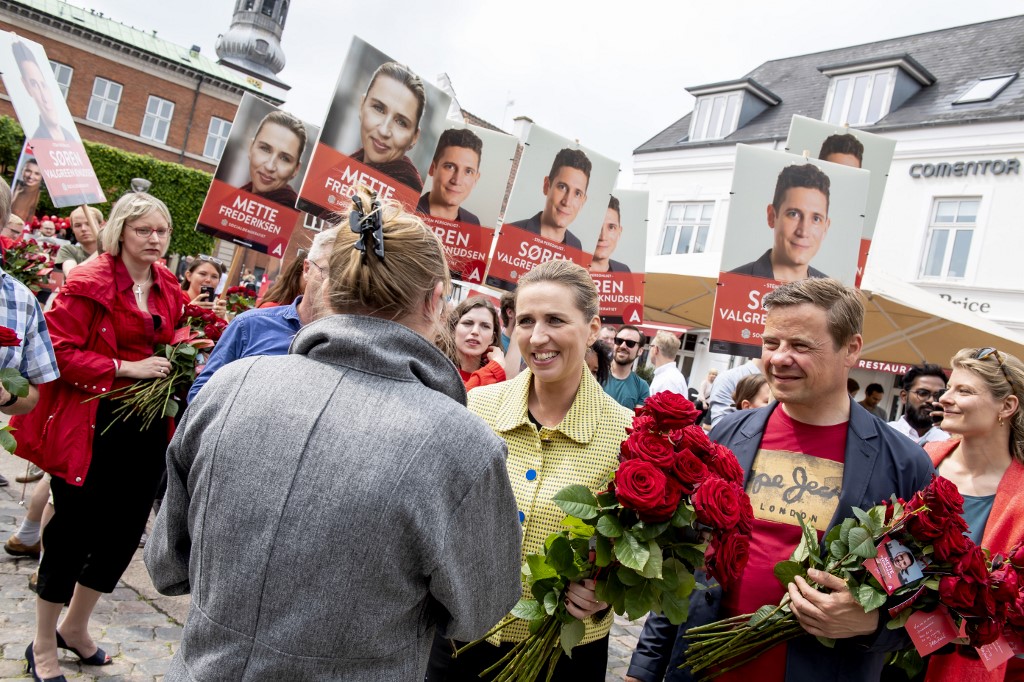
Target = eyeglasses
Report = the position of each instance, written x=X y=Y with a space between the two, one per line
x=626 y=342
x=925 y=394
x=145 y=232
x=210 y=259
x=986 y=352
x=323 y=272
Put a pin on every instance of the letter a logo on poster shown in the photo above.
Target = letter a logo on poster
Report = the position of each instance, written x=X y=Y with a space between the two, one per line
x=277 y=251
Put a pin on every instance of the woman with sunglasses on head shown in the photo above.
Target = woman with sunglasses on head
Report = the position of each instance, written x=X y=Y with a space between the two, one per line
x=200 y=282
x=561 y=429
x=476 y=332
x=105 y=325
x=982 y=408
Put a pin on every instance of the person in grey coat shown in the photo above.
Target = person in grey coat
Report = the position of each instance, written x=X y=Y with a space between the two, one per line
x=328 y=509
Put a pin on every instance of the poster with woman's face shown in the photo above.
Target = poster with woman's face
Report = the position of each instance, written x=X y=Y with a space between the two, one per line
x=380 y=132
x=252 y=198
x=556 y=208
x=28 y=182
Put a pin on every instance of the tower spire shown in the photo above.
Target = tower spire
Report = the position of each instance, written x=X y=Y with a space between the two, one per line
x=253 y=42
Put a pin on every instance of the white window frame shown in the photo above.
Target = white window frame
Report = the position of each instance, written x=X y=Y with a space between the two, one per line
x=703 y=123
x=103 y=101
x=671 y=230
x=63 y=74
x=952 y=229
x=218 y=137
x=978 y=88
x=156 y=124
x=844 y=107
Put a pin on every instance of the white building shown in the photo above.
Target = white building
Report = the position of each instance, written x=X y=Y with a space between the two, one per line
x=952 y=217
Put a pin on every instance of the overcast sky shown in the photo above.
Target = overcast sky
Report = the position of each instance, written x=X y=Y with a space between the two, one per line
x=610 y=74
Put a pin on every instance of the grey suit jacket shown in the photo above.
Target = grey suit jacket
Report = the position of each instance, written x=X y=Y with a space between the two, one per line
x=328 y=508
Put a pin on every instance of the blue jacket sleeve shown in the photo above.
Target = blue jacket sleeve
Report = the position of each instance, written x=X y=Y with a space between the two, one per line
x=230 y=347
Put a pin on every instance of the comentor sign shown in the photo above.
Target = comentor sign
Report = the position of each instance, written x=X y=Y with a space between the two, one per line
x=958 y=169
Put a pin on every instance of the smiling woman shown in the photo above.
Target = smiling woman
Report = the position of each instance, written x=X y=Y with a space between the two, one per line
x=274 y=156
x=476 y=331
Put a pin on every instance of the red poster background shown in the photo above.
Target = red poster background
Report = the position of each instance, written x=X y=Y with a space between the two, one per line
x=465 y=246
x=67 y=171
x=622 y=296
x=738 y=316
x=518 y=251
x=224 y=216
x=333 y=177
x=862 y=259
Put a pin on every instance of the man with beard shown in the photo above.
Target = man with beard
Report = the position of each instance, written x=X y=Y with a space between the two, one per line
x=923 y=385
x=628 y=389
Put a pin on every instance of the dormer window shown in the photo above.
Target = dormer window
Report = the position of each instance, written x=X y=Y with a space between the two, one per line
x=722 y=108
x=986 y=89
x=862 y=93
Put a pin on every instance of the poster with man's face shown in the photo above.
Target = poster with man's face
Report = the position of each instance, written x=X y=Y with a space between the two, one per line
x=619 y=257
x=49 y=128
x=252 y=198
x=380 y=132
x=790 y=218
x=556 y=208
x=848 y=147
x=463 y=192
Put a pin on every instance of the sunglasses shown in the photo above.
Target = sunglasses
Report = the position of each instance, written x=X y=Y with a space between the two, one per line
x=626 y=342
x=211 y=259
x=986 y=352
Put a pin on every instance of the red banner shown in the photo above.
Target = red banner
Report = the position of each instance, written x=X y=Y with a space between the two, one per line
x=70 y=179
x=862 y=259
x=244 y=218
x=519 y=251
x=622 y=296
x=465 y=246
x=738 y=316
x=333 y=177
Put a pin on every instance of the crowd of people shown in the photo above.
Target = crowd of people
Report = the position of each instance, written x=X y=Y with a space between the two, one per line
x=362 y=467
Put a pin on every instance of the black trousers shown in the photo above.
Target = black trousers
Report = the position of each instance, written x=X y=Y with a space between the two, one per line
x=96 y=527
x=589 y=662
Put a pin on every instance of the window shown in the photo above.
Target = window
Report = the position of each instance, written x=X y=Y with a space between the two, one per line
x=715 y=116
x=859 y=98
x=157 y=120
x=986 y=89
x=268 y=7
x=216 y=138
x=106 y=95
x=686 y=227
x=949 y=238
x=63 y=73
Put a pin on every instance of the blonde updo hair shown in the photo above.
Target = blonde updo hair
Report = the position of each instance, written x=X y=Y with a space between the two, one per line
x=1000 y=385
x=573 y=277
x=397 y=286
x=131 y=206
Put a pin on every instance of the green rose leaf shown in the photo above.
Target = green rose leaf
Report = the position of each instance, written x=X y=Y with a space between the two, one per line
x=761 y=614
x=837 y=549
x=826 y=642
x=571 y=635
x=684 y=516
x=672 y=572
x=675 y=608
x=628 y=576
x=577 y=500
x=652 y=569
x=649 y=531
x=550 y=603
x=631 y=553
x=612 y=591
x=686 y=586
x=608 y=525
x=869 y=597
x=171 y=408
x=861 y=543
x=603 y=551
x=578 y=527
x=785 y=571
x=528 y=609
x=844 y=530
x=539 y=568
x=900 y=620
x=867 y=520
x=13 y=382
x=561 y=558
x=640 y=600
x=7 y=441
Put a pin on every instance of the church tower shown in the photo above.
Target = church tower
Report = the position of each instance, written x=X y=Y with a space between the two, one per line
x=253 y=43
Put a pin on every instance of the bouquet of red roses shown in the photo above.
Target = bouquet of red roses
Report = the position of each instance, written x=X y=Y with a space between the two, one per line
x=30 y=262
x=239 y=299
x=158 y=398
x=912 y=556
x=675 y=505
x=13 y=382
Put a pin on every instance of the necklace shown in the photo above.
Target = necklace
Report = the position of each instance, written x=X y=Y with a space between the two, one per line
x=138 y=288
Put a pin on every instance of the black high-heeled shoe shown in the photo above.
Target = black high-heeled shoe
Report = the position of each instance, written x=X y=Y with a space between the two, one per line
x=98 y=658
x=30 y=668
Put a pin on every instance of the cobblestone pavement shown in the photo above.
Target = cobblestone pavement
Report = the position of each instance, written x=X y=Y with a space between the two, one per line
x=139 y=628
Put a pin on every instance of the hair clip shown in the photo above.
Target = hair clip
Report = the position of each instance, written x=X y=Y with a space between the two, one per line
x=368 y=226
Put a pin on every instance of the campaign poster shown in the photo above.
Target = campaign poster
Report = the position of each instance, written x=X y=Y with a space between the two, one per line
x=556 y=208
x=251 y=201
x=895 y=566
x=28 y=184
x=619 y=257
x=49 y=129
x=790 y=218
x=849 y=147
x=381 y=130
x=463 y=192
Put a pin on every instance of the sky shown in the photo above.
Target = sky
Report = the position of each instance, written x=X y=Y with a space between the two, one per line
x=608 y=74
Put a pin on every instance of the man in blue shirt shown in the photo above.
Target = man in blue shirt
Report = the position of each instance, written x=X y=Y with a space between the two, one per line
x=269 y=331
x=623 y=384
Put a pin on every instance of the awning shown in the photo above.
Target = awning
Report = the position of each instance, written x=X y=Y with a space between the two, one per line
x=685 y=300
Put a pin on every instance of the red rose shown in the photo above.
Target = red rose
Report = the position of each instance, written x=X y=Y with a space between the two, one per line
x=957 y=594
x=951 y=545
x=942 y=498
x=666 y=507
x=642 y=422
x=650 y=447
x=8 y=337
x=724 y=463
x=212 y=332
x=694 y=439
x=983 y=631
x=1003 y=583
x=671 y=411
x=746 y=522
x=924 y=526
x=972 y=566
x=1016 y=556
x=640 y=485
x=1015 y=612
x=726 y=558
x=689 y=470
x=717 y=503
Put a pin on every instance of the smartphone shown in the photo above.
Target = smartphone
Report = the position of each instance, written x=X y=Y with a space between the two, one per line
x=936 y=416
x=207 y=293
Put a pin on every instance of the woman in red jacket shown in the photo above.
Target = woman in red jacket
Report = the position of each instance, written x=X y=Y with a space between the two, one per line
x=985 y=459
x=105 y=324
x=476 y=331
